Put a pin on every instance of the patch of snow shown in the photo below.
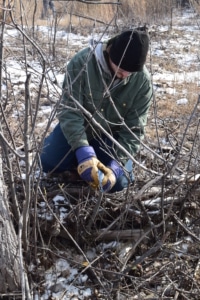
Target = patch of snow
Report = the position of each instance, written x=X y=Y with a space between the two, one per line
x=182 y=101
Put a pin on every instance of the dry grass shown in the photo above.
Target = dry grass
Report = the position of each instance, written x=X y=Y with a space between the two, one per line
x=131 y=12
x=30 y=10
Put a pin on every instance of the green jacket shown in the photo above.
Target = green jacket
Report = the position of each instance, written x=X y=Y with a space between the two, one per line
x=89 y=81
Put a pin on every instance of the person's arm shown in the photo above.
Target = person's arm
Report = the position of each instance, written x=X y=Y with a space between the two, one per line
x=136 y=120
x=69 y=115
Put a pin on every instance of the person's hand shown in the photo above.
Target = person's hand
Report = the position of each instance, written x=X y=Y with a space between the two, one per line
x=117 y=172
x=88 y=166
x=114 y=177
x=112 y=172
x=109 y=178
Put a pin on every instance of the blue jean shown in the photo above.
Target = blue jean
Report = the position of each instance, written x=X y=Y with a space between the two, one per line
x=57 y=155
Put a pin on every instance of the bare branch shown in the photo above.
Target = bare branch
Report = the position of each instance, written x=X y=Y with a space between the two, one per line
x=91 y=2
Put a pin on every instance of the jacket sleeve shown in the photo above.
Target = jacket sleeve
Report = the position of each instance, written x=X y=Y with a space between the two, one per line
x=136 y=120
x=70 y=116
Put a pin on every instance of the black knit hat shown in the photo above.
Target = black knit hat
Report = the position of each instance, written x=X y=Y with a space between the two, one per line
x=129 y=50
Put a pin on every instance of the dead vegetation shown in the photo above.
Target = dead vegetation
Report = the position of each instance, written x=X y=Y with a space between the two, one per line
x=146 y=238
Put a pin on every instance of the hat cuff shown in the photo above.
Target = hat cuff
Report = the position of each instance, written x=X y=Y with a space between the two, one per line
x=132 y=69
x=128 y=67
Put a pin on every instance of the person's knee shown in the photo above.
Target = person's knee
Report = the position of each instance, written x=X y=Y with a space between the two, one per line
x=53 y=156
x=47 y=162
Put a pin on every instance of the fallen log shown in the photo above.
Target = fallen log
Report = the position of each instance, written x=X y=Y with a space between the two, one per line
x=129 y=234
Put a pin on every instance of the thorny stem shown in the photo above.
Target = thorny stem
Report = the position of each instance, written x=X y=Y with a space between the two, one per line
x=26 y=203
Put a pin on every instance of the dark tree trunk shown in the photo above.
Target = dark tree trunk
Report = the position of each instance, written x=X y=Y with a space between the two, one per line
x=9 y=254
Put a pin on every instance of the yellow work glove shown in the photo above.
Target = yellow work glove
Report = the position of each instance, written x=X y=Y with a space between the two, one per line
x=89 y=168
x=109 y=178
x=88 y=171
